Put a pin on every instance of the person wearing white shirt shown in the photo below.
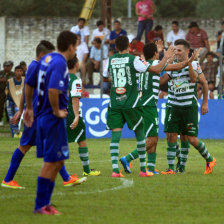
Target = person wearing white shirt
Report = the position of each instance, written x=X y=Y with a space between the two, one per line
x=175 y=34
x=101 y=32
x=82 y=52
x=82 y=30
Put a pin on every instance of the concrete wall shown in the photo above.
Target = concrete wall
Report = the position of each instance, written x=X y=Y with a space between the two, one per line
x=19 y=36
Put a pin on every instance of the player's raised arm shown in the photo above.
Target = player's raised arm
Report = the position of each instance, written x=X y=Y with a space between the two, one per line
x=203 y=81
x=164 y=79
x=164 y=62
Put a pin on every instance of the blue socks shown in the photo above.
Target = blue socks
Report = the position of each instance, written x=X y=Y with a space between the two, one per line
x=64 y=174
x=50 y=191
x=14 y=165
x=44 y=191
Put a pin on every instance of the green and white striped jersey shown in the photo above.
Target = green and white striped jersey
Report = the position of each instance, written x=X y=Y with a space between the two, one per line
x=149 y=85
x=182 y=92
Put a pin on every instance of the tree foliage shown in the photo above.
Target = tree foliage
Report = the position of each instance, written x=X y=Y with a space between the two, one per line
x=165 y=8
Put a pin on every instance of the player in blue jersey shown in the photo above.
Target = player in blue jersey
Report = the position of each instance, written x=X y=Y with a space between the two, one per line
x=51 y=80
x=28 y=138
x=29 y=134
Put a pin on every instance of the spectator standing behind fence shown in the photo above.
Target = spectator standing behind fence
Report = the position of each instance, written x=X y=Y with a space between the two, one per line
x=82 y=30
x=156 y=34
x=175 y=34
x=145 y=10
x=219 y=37
x=118 y=31
x=101 y=32
x=82 y=52
x=95 y=58
x=5 y=74
x=210 y=68
x=198 y=38
x=14 y=91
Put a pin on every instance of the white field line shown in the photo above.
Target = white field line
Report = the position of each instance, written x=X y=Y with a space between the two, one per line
x=125 y=183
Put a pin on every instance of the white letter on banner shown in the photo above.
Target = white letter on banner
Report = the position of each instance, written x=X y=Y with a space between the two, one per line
x=97 y=118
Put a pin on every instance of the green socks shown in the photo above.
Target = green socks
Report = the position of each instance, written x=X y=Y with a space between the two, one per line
x=171 y=153
x=184 y=154
x=204 y=152
x=132 y=156
x=114 y=150
x=151 y=161
x=84 y=156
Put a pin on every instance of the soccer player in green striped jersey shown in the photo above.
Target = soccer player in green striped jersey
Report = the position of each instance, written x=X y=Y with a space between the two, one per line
x=125 y=104
x=149 y=86
x=183 y=117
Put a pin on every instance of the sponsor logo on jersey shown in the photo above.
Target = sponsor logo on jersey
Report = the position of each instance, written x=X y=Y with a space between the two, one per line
x=61 y=83
x=117 y=61
x=143 y=61
x=48 y=59
x=78 y=88
x=120 y=90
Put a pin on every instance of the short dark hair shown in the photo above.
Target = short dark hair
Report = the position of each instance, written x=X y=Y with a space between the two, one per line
x=65 y=39
x=81 y=19
x=99 y=22
x=44 y=47
x=22 y=63
x=121 y=43
x=18 y=67
x=98 y=40
x=210 y=53
x=175 y=22
x=182 y=42
x=158 y=27
x=71 y=63
x=211 y=82
x=149 y=50
x=117 y=21
x=193 y=24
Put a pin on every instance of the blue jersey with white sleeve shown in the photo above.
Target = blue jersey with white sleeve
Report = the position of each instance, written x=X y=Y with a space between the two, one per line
x=50 y=73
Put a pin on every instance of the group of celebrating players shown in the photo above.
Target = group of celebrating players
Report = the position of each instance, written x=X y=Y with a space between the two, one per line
x=52 y=118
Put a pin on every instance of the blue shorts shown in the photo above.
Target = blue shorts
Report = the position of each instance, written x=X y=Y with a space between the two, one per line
x=29 y=135
x=52 y=143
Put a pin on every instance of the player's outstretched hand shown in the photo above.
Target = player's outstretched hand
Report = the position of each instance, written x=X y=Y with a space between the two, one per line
x=160 y=45
x=61 y=113
x=28 y=117
x=74 y=123
x=194 y=55
x=16 y=118
x=170 y=52
x=204 y=108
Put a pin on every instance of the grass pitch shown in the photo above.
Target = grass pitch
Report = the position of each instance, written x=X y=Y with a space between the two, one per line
x=187 y=198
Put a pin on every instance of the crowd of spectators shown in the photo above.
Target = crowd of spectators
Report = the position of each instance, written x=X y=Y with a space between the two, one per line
x=93 y=54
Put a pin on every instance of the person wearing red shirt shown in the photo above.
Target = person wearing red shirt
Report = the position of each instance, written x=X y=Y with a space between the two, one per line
x=198 y=38
x=136 y=47
x=155 y=35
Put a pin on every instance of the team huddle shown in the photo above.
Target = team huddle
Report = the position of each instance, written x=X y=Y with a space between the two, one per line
x=52 y=117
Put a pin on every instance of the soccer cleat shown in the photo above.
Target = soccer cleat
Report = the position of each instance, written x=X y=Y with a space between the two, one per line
x=180 y=170
x=155 y=172
x=125 y=164
x=169 y=171
x=146 y=174
x=53 y=211
x=209 y=166
x=117 y=174
x=43 y=211
x=11 y=184
x=92 y=173
x=74 y=180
